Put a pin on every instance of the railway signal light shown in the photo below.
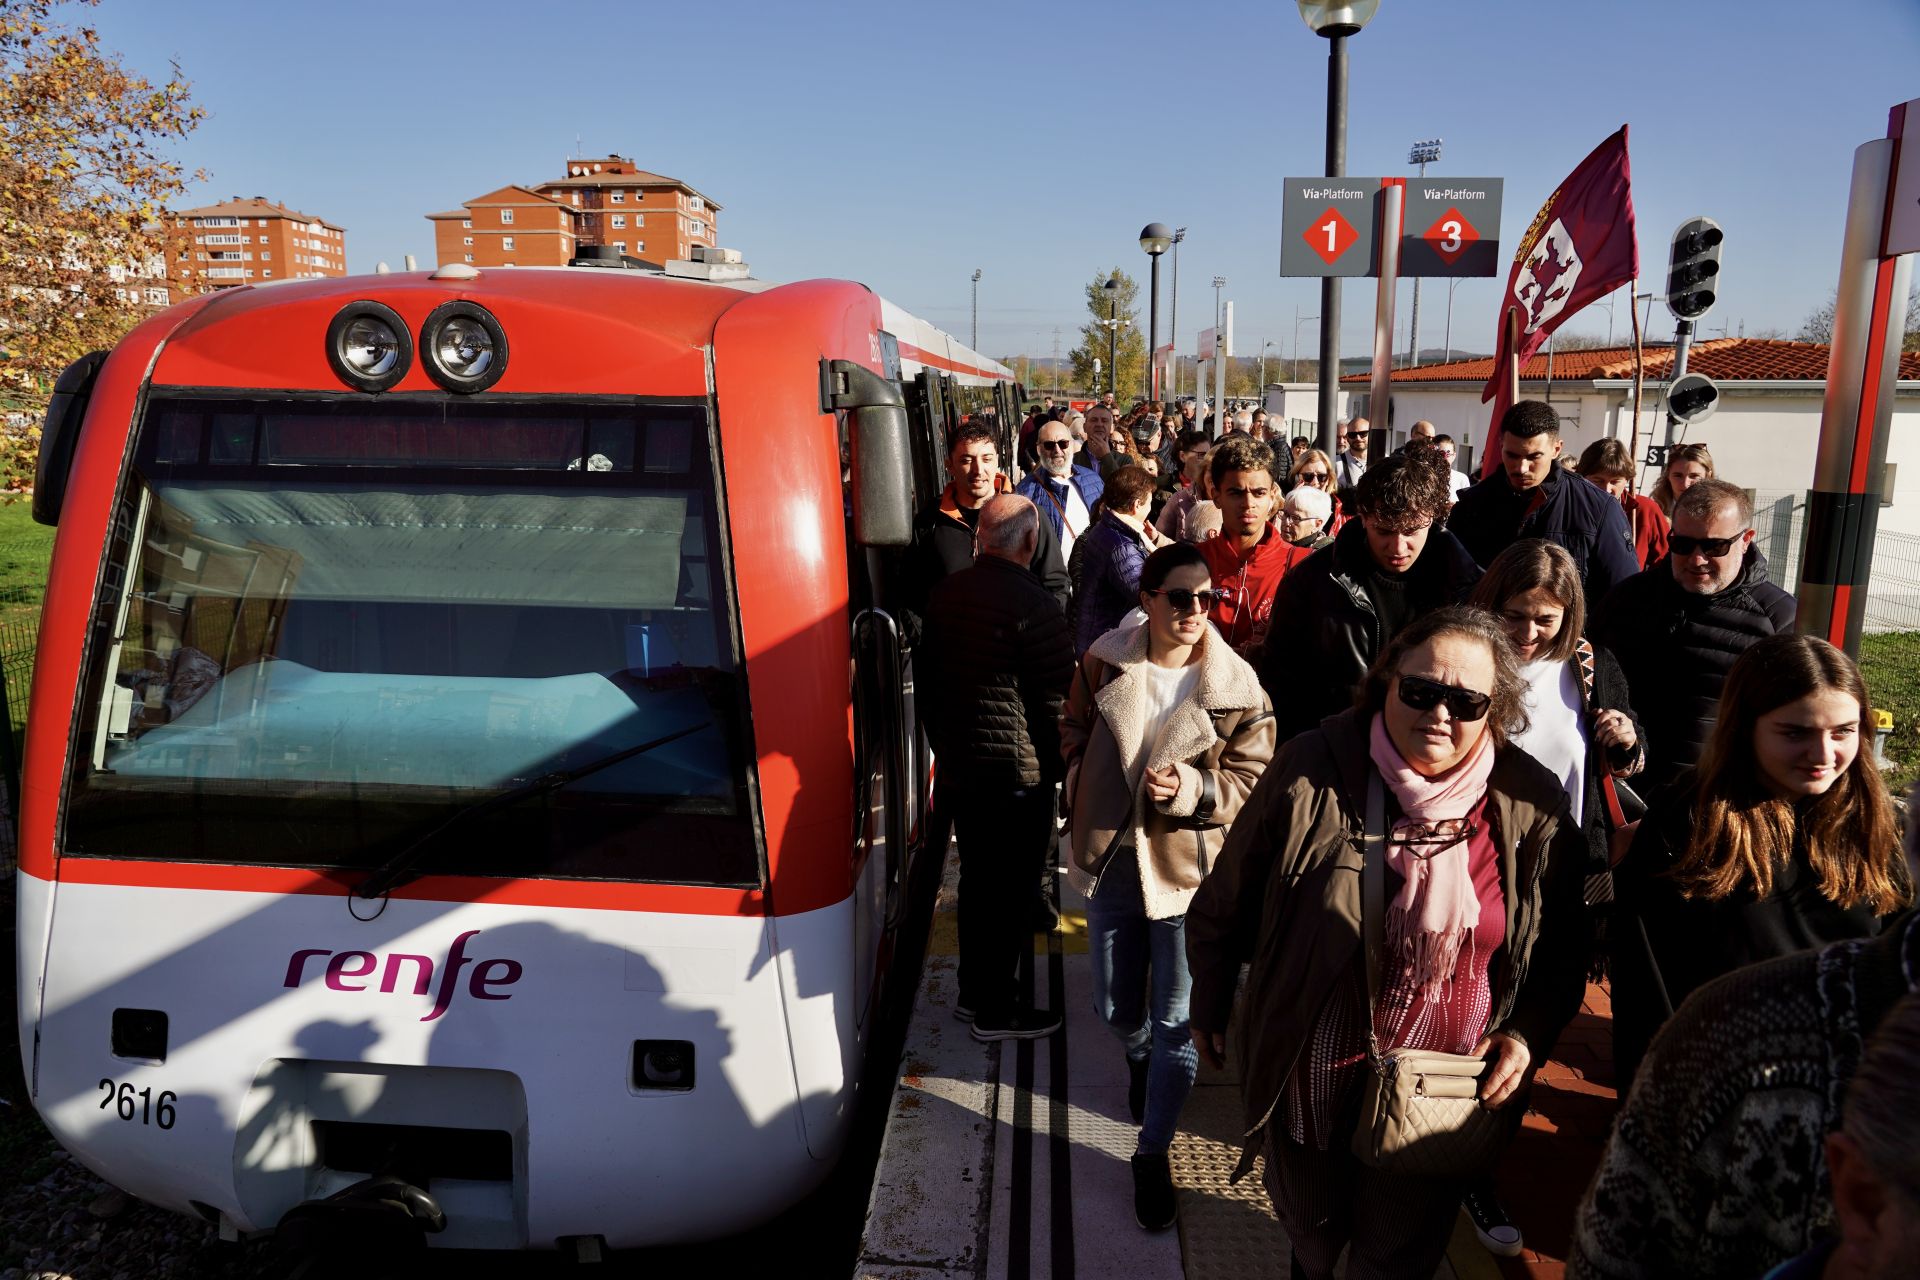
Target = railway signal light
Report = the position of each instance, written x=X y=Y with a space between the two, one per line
x=1692 y=398
x=1693 y=269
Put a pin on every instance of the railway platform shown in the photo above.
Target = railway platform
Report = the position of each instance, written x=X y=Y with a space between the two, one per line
x=1010 y=1161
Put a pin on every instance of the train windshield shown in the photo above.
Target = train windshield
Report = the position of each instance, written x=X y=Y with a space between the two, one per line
x=326 y=626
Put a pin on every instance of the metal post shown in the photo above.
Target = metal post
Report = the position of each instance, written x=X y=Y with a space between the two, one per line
x=1153 y=327
x=976 y=308
x=1173 y=316
x=1393 y=199
x=1113 y=343
x=1330 y=285
x=1869 y=314
x=1451 y=286
x=1222 y=340
x=1413 y=337
x=1682 y=339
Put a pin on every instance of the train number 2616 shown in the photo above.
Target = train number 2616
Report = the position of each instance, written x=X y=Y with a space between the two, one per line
x=142 y=1104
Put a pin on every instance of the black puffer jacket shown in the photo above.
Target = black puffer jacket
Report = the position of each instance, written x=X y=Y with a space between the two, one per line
x=1325 y=634
x=1676 y=648
x=1577 y=514
x=943 y=545
x=996 y=665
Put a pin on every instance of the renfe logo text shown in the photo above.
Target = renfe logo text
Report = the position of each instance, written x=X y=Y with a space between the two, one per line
x=345 y=966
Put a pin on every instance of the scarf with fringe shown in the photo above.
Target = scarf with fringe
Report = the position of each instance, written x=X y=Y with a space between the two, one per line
x=1437 y=908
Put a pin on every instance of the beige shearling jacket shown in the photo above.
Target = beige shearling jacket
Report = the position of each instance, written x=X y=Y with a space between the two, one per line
x=1219 y=741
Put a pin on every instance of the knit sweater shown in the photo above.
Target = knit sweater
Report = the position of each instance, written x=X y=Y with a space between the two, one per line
x=1716 y=1165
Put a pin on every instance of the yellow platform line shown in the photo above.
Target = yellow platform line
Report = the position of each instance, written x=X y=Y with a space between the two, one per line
x=943 y=939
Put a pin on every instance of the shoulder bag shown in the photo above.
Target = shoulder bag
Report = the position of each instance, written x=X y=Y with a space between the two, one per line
x=1420 y=1112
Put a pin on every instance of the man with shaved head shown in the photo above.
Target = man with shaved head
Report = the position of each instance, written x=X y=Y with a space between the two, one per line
x=996 y=665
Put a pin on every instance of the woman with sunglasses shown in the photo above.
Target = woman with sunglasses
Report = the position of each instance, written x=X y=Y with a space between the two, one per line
x=1313 y=468
x=1782 y=840
x=1485 y=941
x=1687 y=465
x=1165 y=733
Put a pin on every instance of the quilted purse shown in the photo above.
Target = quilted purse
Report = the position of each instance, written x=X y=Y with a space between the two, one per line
x=1420 y=1112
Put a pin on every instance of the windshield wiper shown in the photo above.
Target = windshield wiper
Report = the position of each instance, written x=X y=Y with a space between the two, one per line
x=395 y=869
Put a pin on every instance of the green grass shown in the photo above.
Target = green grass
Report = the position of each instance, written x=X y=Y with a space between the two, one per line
x=1891 y=665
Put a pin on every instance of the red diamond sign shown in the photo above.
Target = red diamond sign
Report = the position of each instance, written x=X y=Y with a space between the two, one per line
x=1330 y=235
x=1450 y=235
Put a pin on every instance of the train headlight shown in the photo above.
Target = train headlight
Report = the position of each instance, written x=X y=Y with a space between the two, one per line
x=464 y=347
x=368 y=346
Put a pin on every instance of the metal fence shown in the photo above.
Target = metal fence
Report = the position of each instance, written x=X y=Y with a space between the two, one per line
x=1893 y=591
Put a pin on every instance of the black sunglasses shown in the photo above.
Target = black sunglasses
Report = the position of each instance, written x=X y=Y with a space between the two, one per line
x=1182 y=599
x=1056 y=446
x=1713 y=548
x=1312 y=475
x=1462 y=704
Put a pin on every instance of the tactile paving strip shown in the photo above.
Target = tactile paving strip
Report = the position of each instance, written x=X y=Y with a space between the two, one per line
x=1227 y=1232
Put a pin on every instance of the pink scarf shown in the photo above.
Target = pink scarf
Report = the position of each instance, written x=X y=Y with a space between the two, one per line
x=1437 y=908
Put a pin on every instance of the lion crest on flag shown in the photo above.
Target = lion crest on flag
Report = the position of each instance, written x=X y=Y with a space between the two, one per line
x=1546 y=279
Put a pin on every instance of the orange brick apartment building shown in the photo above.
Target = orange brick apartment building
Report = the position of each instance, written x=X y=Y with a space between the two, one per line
x=248 y=242
x=605 y=201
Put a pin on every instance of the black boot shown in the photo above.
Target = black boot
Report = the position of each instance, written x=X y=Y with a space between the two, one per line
x=1153 y=1202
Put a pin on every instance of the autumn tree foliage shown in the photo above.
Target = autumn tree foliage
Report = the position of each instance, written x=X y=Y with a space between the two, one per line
x=1132 y=343
x=85 y=175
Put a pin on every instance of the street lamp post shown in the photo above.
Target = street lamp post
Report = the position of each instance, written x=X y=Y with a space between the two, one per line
x=1219 y=341
x=1173 y=318
x=1156 y=240
x=976 y=309
x=1335 y=21
x=1263 y=369
x=1112 y=286
x=1298 y=320
x=1421 y=153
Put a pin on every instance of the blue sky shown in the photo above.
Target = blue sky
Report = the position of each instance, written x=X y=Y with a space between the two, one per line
x=904 y=145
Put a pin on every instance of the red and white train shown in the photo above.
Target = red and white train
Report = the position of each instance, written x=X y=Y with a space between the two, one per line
x=470 y=745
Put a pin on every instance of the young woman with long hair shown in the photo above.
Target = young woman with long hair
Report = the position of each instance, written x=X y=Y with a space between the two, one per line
x=1687 y=465
x=1781 y=840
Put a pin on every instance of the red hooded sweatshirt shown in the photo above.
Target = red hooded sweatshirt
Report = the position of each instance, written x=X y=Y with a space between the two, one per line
x=1246 y=585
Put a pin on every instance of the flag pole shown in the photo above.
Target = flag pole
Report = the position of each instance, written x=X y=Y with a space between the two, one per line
x=1513 y=361
x=1639 y=375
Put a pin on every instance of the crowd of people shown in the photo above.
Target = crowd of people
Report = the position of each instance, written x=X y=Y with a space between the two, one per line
x=1365 y=768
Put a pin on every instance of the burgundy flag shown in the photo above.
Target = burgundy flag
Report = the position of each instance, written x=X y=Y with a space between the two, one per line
x=1579 y=248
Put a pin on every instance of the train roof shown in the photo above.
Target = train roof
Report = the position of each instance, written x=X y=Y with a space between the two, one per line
x=685 y=300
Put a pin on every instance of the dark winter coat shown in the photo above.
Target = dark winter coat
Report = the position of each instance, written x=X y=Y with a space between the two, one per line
x=993 y=677
x=1566 y=509
x=1676 y=648
x=1109 y=582
x=1325 y=633
x=943 y=546
x=1665 y=945
x=1284 y=900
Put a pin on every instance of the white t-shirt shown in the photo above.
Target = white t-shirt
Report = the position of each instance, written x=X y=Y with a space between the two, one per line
x=1460 y=482
x=1556 y=737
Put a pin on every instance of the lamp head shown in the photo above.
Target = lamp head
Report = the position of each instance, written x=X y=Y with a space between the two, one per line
x=1155 y=238
x=1337 y=17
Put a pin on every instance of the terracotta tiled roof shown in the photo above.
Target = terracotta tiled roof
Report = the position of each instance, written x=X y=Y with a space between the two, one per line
x=1722 y=359
x=253 y=207
x=637 y=178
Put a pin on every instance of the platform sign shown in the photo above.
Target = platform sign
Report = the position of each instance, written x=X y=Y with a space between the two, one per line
x=1903 y=215
x=1327 y=226
x=1451 y=227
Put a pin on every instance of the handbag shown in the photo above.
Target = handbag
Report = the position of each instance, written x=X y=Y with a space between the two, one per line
x=1420 y=1112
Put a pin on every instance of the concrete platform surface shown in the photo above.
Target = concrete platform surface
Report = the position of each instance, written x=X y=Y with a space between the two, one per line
x=1010 y=1161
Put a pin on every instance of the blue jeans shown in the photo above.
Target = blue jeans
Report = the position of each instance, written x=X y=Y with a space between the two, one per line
x=1130 y=951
